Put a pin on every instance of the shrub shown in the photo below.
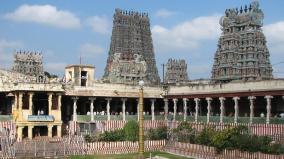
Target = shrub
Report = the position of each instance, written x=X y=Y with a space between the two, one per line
x=116 y=135
x=205 y=136
x=131 y=131
x=161 y=133
x=88 y=138
x=184 y=132
x=157 y=134
x=275 y=148
x=249 y=143
x=226 y=139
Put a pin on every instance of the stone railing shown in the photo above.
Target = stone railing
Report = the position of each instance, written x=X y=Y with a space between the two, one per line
x=200 y=151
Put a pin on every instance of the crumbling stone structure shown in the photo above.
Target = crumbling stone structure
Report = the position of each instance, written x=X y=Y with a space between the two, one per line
x=242 y=53
x=131 y=55
x=176 y=71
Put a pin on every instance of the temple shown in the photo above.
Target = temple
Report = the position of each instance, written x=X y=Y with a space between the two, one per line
x=176 y=71
x=244 y=91
x=242 y=53
x=29 y=63
x=131 y=55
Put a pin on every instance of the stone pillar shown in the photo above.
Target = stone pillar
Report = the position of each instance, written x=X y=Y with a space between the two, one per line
x=236 y=107
x=196 y=108
x=137 y=109
x=16 y=101
x=20 y=101
x=49 y=134
x=92 y=107
x=175 y=100
x=251 y=114
x=30 y=132
x=208 y=108
x=59 y=101
x=222 y=108
x=153 y=108
x=166 y=108
x=20 y=133
x=31 y=94
x=123 y=107
x=108 y=108
x=184 y=108
x=49 y=102
x=59 y=130
x=268 y=108
x=75 y=99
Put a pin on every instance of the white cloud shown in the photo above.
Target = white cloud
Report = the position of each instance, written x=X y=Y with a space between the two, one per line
x=7 y=49
x=89 y=50
x=44 y=14
x=274 y=33
x=164 y=13
x=99 y=24
x=187 y=35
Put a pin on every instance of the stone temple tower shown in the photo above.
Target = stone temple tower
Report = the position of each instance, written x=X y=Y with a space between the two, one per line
x=131 y=55
x=242 y=53
x=28 y=63
x=176 y=71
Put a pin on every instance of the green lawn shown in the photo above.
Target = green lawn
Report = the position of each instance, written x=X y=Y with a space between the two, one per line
x=129 y=156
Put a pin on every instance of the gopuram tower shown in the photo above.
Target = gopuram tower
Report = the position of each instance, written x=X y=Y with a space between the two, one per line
x=131 y=56
x=242 y=53
x=176 y=71
x=28 y=63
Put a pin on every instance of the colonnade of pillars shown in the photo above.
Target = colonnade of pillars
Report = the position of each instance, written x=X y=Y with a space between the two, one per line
x=185 y=101
x=19 y=104
x=19 y=101
x=30 y=131
x=222 y=108
x=92 y=99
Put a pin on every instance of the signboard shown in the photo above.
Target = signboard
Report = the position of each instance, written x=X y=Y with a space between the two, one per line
x=40 y=118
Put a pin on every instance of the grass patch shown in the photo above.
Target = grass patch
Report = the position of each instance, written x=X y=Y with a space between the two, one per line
x=129 y=156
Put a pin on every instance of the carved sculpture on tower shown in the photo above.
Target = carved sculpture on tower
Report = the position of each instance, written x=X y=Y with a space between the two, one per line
x=131 y=55
x=176 y=71
x=29 y=63
x=242 y=53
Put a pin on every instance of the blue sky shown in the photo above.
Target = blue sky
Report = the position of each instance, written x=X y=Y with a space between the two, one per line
x=64 y=30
